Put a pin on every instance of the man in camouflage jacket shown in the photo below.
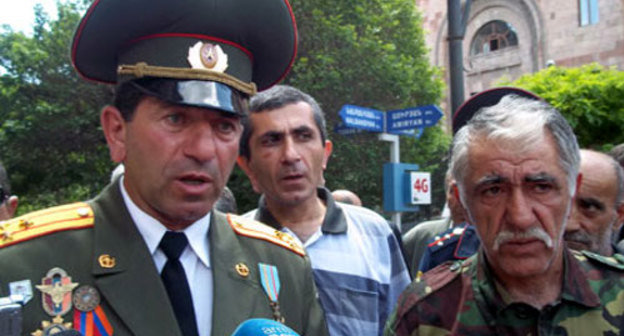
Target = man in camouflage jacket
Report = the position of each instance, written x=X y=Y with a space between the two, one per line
x=516 y=164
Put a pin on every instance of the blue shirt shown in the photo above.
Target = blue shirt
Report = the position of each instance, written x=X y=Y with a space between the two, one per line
x=357 y=263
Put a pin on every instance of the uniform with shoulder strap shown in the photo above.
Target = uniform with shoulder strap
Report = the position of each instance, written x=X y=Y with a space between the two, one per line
x=81 y=266
x=86 y=266
x=467 y=301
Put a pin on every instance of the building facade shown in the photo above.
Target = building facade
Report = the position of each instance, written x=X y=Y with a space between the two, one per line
x=505 y=39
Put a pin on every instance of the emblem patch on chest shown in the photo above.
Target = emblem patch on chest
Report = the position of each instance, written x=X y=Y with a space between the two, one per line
x=56 y=292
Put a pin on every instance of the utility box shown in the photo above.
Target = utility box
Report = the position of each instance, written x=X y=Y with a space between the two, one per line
x=398 y=187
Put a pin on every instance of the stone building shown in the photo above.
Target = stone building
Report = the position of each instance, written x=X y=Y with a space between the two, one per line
x=508 y=38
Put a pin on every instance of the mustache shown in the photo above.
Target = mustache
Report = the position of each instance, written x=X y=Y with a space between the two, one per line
x=534 y=232
x=578 y=237
x=293 y=168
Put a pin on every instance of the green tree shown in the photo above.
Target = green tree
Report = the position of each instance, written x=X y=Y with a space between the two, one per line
x=590 y=98
x=368 y=53
x=49 y=131
x=365 y=52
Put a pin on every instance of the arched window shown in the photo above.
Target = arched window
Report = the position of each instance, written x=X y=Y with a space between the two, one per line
x=493 y=36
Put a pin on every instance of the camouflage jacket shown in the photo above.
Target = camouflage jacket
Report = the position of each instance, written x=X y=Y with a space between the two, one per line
x=460 y=298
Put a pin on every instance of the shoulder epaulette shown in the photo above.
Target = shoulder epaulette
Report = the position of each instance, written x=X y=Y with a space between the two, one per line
x=250 y=228
x=616 y=261
x=431 y=281
x=441 y=275
x=43 y=222
x=449 y=237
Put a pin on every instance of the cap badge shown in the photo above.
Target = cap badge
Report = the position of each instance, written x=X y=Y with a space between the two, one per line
x=56 y=288
x=207 y=56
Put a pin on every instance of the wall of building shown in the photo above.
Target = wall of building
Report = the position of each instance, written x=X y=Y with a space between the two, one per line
x=547 y=31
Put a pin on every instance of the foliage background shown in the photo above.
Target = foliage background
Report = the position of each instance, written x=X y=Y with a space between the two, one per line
x=591 y=98
x=364 y=52
x=49 y=131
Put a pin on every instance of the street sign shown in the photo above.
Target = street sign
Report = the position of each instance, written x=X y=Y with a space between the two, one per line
x=362 y=118
x=413 y=117
x=343 y=130
x=414 y=132
x=420 y=184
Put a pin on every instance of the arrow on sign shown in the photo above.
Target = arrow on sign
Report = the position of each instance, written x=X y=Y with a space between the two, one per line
x=414 y=117
x=414 y=132
x=362 y=118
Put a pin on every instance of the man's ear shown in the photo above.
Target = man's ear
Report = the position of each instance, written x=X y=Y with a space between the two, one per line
x=619 y=217
x=579 y=180
x=456 y=194
x=243 y=163
x=460 y=213
x=114 y=127
x=12 y=203
x=327 y=153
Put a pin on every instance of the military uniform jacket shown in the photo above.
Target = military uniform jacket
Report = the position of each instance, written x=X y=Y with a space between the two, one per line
x=111 y=256
x=460 y=298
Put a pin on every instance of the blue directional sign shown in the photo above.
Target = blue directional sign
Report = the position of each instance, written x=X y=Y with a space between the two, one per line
x=414 y=117
x=343 y=130
x=414 y=132
x=362 y=118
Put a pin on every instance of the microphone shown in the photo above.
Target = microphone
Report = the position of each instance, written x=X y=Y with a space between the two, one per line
x=263 y=327
x=11 y=315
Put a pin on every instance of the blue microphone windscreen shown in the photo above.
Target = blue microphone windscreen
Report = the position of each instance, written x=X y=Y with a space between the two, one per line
x=263 y=327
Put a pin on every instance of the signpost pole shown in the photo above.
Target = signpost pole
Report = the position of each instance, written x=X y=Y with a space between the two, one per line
x=394 y=158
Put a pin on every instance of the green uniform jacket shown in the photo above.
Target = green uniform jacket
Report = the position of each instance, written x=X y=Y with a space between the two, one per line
x=133 y=297
x=461 y=298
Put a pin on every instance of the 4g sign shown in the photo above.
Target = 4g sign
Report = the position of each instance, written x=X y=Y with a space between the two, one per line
x=420 y=188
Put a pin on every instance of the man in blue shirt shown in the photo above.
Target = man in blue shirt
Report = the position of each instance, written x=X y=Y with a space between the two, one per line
x=357 y=263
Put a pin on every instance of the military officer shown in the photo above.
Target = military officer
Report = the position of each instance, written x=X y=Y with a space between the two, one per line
x=516 y=164
x=149 y=256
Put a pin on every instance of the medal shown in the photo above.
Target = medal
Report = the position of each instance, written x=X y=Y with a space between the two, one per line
x=49 y=328
x=271 y=284
x=89 y=317
x=56 y=288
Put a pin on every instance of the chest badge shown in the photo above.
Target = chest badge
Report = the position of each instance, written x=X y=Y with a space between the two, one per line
x=271 y=284
x=89 y=317
x=55 y=326
x=56 y=288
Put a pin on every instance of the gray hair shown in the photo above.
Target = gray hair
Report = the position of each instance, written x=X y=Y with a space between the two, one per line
x=517 y=122
x=274 y=98
x=618 y=153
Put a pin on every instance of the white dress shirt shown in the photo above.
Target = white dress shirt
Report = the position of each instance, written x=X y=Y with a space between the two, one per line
x=195 y=258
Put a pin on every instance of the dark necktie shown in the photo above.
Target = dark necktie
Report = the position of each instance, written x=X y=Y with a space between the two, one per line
x=174 y=278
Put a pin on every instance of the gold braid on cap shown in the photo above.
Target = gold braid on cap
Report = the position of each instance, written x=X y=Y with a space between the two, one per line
x=142 y=69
